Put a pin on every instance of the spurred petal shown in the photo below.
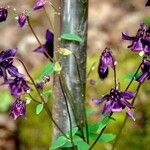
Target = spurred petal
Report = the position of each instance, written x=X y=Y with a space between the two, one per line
x=108 y=107
x=128 y=95
x=39 y=4
x=130 y=114
x=137 y=46
x=143 y=77
x=117 y=107
x=22 y=19
x=40 y=49
x=100 y=100
x=125 y=103
x=49 y=36
x=13 y=71
x=125 y=36
x=3 y=14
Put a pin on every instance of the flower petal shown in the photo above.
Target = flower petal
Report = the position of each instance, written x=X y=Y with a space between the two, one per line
x=116 y=107
x=130 y=114
x=40 y=49
x=100 y=100
x=143 y=77
x=125 y=103
x=125 y=36
x=49 y=36
x=128 y=95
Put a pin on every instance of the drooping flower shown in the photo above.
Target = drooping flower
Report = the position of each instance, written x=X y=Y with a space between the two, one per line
x=147 y=3
x=145 y=71
x=141 y=41
x=18 y=108
x=6 y=64
x=39 y=4
x=3 y=14
x=48 y=47
x=40 y=85
x=106 y=60
x=116 y=101
x=18 y=86
x=22 y=19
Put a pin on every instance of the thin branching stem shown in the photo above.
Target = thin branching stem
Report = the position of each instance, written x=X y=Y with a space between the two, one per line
x=67 y=107
x=49 y=19
x=40 y=95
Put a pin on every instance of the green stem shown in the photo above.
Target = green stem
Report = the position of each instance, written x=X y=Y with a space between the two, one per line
x=67 y=107
x=84 y=109
x=49 y=20
x=125 y=119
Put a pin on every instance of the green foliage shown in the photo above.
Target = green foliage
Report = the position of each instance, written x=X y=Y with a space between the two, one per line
x=104 y=137
x=39 y=108
x=131 y=75
x=71 y=37
x=59 y=142
x=147 y=20
x=48 y=70
x=5 y=101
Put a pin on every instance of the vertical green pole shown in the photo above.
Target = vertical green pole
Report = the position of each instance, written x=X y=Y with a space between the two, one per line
x=73 y=20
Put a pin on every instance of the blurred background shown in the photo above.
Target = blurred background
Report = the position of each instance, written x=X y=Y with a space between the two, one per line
x=107 y=19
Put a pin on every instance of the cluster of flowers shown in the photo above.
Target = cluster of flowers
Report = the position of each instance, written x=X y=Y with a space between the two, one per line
x=22 y=17
x=15 y=80
x=116 y=100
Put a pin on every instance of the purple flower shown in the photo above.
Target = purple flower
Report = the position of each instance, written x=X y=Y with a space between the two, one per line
x=140 y=42
x=22 y=19
x=106 y=60
x=48 y=46
x=17 y=86
x=6 y=62
x=145 y=71
x=3 y=14
x=115 y=101
x=92 y=82
x=147 y=3
x=18 y=108
x=39 y=4
x=40 y=85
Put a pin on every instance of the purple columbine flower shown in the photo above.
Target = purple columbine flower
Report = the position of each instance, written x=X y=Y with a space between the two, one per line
x=147 y=3
x=18 y=108
x=22 y=19
x=116 y=101
x=17 y=86
x=48 y=46
x=6 y=62
x=39 y=4
x=145 y=71
x=3 y=14
x=140 y=42
x=106 y=60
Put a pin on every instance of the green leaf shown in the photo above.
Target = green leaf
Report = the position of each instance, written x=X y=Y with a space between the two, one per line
x=71 y=37
x=103 y=123
x=74 y=131
x=106 y=137
x=64 y=51
x=39 y=108
x=82 y=145
x=131 y=75
x=48 y=70
x=59 y=142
